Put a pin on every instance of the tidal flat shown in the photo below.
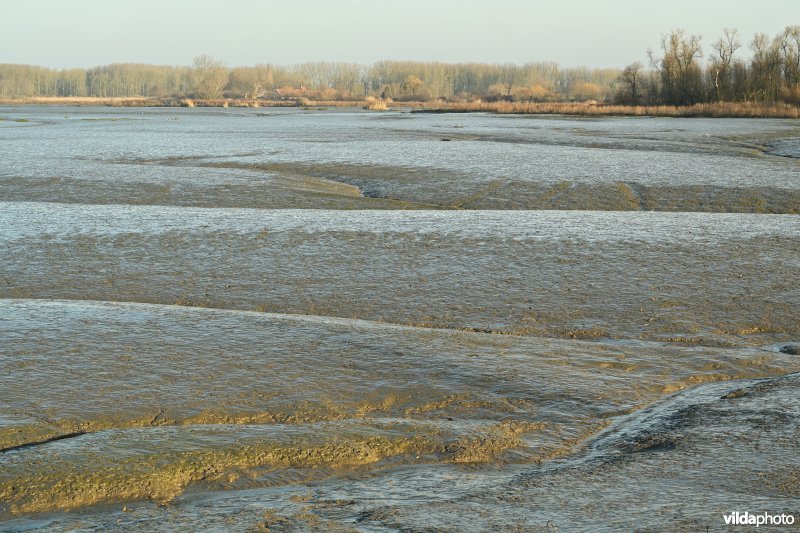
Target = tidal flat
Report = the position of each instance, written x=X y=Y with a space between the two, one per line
x=338 y=320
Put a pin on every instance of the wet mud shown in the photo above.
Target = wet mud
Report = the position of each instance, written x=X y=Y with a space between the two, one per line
x=714 y=280
x=324 y=320
x=349 y=160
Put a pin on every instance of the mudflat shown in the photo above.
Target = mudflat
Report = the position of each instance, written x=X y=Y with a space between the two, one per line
x=238 y=318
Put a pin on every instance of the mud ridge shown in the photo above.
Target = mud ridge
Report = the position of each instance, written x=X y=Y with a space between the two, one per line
x=651 y=428
x=42 y=442
x=312 y=318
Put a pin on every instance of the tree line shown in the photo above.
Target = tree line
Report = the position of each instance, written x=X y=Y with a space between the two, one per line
x=207 y=78
x=679 y=76
x=679 y=73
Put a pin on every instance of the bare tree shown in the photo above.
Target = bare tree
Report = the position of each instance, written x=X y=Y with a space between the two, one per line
x=790 y=49
x=765 y=68
x=251 y=83
x=631 y=84
x=508 y=77
x=209 y=77
x=681 y=79
x=725 y=46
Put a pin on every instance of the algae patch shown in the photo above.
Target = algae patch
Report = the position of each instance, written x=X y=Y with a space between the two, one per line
x=163 y=477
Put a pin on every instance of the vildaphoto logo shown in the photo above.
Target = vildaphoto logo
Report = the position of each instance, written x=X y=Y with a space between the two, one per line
x=763 y=519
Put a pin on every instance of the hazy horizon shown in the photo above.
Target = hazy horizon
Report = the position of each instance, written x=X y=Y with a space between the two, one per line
x=87 y=33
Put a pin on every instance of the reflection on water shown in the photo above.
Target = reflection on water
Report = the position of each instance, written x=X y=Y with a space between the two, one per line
x=349 y=366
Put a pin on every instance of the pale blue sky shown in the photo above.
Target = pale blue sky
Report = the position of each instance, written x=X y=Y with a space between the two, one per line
x=82 y=33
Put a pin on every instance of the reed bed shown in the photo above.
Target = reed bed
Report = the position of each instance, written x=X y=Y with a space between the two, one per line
x=83 y=101
x=711 y=110
x=374 y=104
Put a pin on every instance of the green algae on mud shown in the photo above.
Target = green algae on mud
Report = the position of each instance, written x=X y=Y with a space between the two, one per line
x=162 y=477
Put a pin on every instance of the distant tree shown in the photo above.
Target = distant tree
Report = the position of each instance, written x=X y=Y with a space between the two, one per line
x=412 y=84
x=209 y=77
x=534 y=93
x=765 y=68
x=251 y=83
x=389 y=91
x=721 y=65
x=548 y=75
x=679 y=68
x=345 y=78
x=740 y=81
x=508 y=77
x=630 y=81
x=790 y=49
x=586 y=91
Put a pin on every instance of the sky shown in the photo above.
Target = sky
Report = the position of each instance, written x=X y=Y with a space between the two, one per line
x=593 y=33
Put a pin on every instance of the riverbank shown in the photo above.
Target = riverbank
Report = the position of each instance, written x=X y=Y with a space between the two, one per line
x=711 y=110
x=714 y=110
